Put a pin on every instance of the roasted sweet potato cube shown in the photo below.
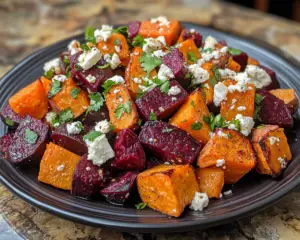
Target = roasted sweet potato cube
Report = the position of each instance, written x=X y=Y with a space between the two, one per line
x=241 y=59
x=208 y=89
x=233 y=65
x=211 y=181
x=170 y=31
x=122 y=110
x=57 y=167
x=189 y=50
x=231 y=151
x=46 y=84
x=186 y=34
x=190 y=115
x=168 y=189
x=9 y=117
x=238 y=102
x=288 y=96
x=252 y=61
x=272 y=150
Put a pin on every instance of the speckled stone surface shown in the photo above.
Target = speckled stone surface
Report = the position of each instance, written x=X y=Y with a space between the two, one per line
x=27 y=25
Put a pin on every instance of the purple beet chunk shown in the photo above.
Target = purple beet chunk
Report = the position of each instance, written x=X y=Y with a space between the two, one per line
x=194 y=35
x=241 y=59
x=153 y=162
x=96 y=116
x=222 y=42
x=9 y=117
x=274 y=111
x=274 y=84
x=159 y=103
x=169 y=143
x=175 y=61
x=118 y=190
x=133 y=29
x=88 y=179
x=21 y=152
x=5 y=141
x=129 y=153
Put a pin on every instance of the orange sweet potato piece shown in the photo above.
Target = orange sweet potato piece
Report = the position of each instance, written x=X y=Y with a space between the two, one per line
x=188 y=48
x=288 y=96
x=116 y=39
x=154 y=30
x=118 y=97
x=164 y=188
x=191 y=112
x=57 y=167
x=272 y=150
x=252 y=61
x=233 y=65
x=208 y=90
x=211 y=181
x=238 y=102
x=235 y=150
x=30 y=100
x=63 y=99
x=46 y=84
x=135 y=70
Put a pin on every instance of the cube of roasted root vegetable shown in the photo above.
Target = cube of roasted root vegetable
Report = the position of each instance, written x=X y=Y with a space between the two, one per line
x=129 y=153
x=159 y=104
x=189 y=50
x=186 y=34
x=289 y=97
x=211 y=181
x=169 y=143
x=189 y=117
x=133 y=29
x=168 y=188
x=231 y=151
x=57 y=167
x=5 y=141
x=272 y=150
x=29 y=142
x=119 y=189
x=9 y=117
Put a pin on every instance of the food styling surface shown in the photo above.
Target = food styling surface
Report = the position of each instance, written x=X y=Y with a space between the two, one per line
x=280 y=221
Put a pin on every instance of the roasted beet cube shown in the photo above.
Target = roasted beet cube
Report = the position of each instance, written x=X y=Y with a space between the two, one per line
x=119 y=190
x=274 y=111
x=96 y=116
x=160 y=104
x=194 y=35
x=175 y=61
x=222 y=42
x=241 y=59
x=169 y=143
x=5 y=141
x=129 y=153
x=133 y=29
x=29 y=142
x=9 y=117
x=274 y=84
x=153 y=162
x=72 y=142
x=88 y=179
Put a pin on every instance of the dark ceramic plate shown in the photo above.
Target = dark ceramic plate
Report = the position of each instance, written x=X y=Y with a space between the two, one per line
x=251 y=194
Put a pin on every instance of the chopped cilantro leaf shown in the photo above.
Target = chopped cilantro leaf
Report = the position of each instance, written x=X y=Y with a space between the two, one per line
x=66 y=60
x=191 y=57
x=234 y=51
x=122 y=30
x=260 y=126
x=217 y=76
x=157 y=81
x=196 y=125
x=140 y=121
x=55 y=88
x=167 y=130
x=30 y=136
x=229 y=135
x=75 y=92
x=207 y=50
x=117 y=42
x=89 y=35
x=84 y=47
x=107 y=85
x=193 y=104
x=258 y=98
x=153 y=116
x=65 y=115
x=138 y=41
x=9 y=122
x=49 y=74
x=149 y=62
x=165 y=87
x=206 y=119
x=122 y=108
x=112 y=127
x=96 y=102
x=68 y=71
x=140 y=206
x=92 y=135
x=104 y=66
x=236 y=123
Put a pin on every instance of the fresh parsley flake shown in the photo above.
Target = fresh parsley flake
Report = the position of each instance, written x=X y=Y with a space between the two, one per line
x=138 y=41
x=196 y=125
x=89 y=35
x=56 y=86
x=68 y=71
x=234 y=51
x=75 y=92
x=65 y=115
x=117 y=42
x=229 y=135
x=236 y=123
x=49 y=74
x=92 y=135
x=167 y=130
x=112 y=127
x=122 y=30
x=84 y=47
x=30 y=136
x=104 y=66
x=149 y=62
x=188 y=75
x=107 y=85
x=207 y=50
x=206 y=119
x=152 y=116
x=165 y=87
x=216 y=77
x=140 y=206
x=66 y=60
x=257 y=107
x=191 y=57
x=9 y=122
x=122 y=108
x=258 y=98
x=140 y=121
x=96 y=102
x=193 y=104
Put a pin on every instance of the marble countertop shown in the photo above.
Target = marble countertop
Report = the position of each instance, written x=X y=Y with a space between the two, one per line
x=28 y=25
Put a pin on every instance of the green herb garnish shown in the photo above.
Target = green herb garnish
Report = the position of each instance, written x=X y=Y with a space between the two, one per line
x=122 y=30
x=167 y=130
x=258 y=98
x=229 y=135
x=138 y=41
x=257 y=107
x=165 y=87
x=56 y=86
x=107 y=85
x=75 y=92
x=89 y=35
x=234 y=51
x=9 y=122
x=152 y=116
x=217 y=76
x=112 y=127
x=140 y=206
x=196 y=125
x=92 y=135
x=65 y=115
x=84 y=47
x=193 y=104
x=96 y=102
x=30 y=136
x=207 y=50
x=49 y=74
x=117 y=42
x=149 y=62
x=104 y=66
x=191 y=57
x=122 y=108
x=140 y=121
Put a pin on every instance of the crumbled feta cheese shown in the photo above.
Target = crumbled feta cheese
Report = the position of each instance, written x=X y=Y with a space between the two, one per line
x=200 y=75
x=116 y=91
x=166 y=163
x=60 y=78
x=91 y=78
x=51 y=116
x=174 y=90
x=159 y=53
x=220 y=133
x=74 y=47
x=53 y=64
x=99 y=151
x=258 y=76
x=60 y=167
x=136 y=53
x=104 y=47
x=118 y=49
x=241 y=77
x=207 y=56
x=282 y=161
x=210 y=42
x=232 y=107
x=174 y=99
x=103 y=126
x=165 y=73
x=224 y=50
x=227 y=73
x=206 y=85
x=103 y=34
x=117 y=79
x=74 y=128
x=229 y=192
x=89 y=58
x=161 y=109
x=220 y=162
x=137 y=80
x=162 y=20
x=192 y=30
x=199 y=202
x=246 y=124
x=233 y=101
x=220 y=93
x=241 y=108
x=114 y=60
x=88 y=169
x=153 y=44
x=240 y=86
x=221 y=195
x=200 y=62
x=273 y=140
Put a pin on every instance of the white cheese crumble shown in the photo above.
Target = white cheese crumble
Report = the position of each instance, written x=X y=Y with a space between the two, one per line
x=174 y=99
x=241 y=108
x=137 y=80
x=114 y=60
x=241 y=76
x=165 y=73
x=220 y=93
x=174 y=90
x=53 y=64
x=206 y=85
x=273 y=140
x=210 y=42
x=207 y=56
x=118 y=49
x=220 y=162
x=233 y=101
x=153 y=44
x=105 y=47
x=117 y=79
x=74 y=47
x=199 y=202
x=74 y=128
x=51 y=116
x=224 y=50
x=103 y=126
x=200 y=75
x=282 y=162
x=246 y=124
x=60 y=167
x=229 y=192
x=227 y=73
x=60 y=78
x=220 y=133
x=258 y=76
x=240 y=86
x=91 y=78
x=89 y=58
x=88 y=169
x=104 y=33
x=99 y=150
x=161 y=109
x=192 y=30
x=162 y=20
x=159 y=53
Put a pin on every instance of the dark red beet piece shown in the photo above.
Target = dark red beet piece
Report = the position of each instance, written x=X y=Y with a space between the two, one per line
x=9 y=117
x=96 y=116
x=133 y=29
x=129 y=153
x=5 y=141
x=241 y=59
x=152 y=162
x=222 y=42
x=175 y=61
x=21 y=152
x=159 y=103
x=119 y=190
x=274 y=84
x=88 y=179
x=194 y=35
x=274 y=111
x=169 y=143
